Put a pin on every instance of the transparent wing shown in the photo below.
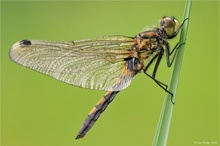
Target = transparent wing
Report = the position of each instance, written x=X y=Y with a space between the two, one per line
x=95 y=63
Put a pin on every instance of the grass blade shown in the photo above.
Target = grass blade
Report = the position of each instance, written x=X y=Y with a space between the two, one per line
x=161 y=135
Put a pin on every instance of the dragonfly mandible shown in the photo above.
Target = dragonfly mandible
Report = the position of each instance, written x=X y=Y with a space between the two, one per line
x=102 y=63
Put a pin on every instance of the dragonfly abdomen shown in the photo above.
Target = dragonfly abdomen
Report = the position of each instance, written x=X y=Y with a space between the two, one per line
x=96 y=112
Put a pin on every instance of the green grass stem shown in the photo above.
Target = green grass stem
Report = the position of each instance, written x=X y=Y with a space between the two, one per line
x=162 y=131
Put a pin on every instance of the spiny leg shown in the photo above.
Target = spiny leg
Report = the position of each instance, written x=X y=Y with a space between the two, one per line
x=168 y=53
x=158 y=57
x=148 y=65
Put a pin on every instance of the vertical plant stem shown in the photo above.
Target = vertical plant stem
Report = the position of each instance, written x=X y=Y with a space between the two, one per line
x=161 y=135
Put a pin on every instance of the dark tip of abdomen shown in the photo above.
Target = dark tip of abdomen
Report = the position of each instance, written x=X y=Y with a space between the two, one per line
x=79 y=136
x=25 y=42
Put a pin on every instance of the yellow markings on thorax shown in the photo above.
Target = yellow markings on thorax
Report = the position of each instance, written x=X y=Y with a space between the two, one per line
x=145 y=43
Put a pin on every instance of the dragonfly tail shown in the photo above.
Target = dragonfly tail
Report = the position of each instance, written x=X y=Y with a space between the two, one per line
x=95 y=113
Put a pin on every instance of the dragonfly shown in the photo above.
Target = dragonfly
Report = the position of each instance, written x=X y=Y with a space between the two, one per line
x=101 y=63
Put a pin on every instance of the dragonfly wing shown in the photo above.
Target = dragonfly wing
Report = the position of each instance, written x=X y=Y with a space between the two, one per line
x=95 y=63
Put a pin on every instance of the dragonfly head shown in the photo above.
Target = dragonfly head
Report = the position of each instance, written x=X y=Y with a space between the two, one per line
x=169 y=24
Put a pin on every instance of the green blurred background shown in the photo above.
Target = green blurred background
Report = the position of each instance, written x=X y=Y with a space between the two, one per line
x=40 y=111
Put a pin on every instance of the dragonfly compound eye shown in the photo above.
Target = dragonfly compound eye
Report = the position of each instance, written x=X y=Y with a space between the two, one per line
x=169 y=24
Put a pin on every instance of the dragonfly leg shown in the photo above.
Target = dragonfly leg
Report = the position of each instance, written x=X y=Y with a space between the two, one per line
x=169 y=64
x=95 y=113
x=162 y=85
x=168 y=53
x=158 y=57
x=153 y=76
